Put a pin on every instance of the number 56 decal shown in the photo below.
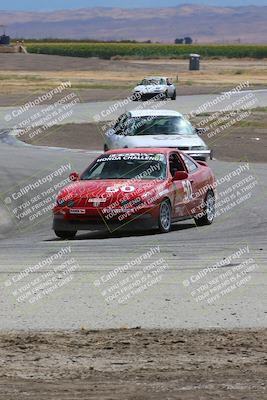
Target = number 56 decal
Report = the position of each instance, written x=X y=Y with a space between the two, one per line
x=188 y=190
x=125 y=189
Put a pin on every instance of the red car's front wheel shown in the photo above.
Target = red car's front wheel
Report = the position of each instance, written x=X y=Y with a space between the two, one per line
x=165 y=217
x=208 y=214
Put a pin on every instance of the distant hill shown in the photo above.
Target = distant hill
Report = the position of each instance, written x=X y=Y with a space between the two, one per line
x=203 y=23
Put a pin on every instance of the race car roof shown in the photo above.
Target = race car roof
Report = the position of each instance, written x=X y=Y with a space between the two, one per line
x=154 y=113
x=160 y=150
x=155 y=77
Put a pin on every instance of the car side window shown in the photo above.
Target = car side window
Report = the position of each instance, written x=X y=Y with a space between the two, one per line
x=175 y=164
x=118 y=121
x=186 y=127
x=190 y=165
x=120 y=124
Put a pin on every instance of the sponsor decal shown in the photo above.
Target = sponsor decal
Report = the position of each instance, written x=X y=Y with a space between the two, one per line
x=131 y=156
x=125 y=189
x=77 y=211
x=97 y=200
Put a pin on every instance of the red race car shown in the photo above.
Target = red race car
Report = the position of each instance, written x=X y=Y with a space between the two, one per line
x=154 y=187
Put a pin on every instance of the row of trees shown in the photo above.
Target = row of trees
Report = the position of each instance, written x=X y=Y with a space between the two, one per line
x=185 y=40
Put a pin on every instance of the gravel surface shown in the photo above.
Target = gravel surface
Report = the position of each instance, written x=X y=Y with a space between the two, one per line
x=134 y=364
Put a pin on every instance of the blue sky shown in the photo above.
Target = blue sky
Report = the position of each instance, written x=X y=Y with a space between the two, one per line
x=66 y=4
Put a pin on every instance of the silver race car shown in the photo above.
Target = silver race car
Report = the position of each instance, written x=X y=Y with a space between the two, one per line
x=156 y=128
x=159 y=88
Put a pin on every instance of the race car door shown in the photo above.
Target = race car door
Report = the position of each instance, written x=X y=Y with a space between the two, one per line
x=196 y=181
x=182 y=190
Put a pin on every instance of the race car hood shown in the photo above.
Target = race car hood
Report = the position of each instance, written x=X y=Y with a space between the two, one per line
x=164 y=141
x=106 y=192
x=150 y=88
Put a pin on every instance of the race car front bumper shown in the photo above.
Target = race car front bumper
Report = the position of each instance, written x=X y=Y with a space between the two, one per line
x=201 y=155
x=150 y=95
x=147 y=217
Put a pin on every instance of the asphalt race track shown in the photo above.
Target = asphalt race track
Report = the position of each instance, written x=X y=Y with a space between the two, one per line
x=189 y=254
x=107 y=110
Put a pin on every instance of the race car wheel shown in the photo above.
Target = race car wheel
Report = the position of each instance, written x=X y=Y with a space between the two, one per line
x=208 y=214
x=165 y=217
x=65 y=234
x=105 y=148
x=174 y=96
x=164 y=96
x=212 y=154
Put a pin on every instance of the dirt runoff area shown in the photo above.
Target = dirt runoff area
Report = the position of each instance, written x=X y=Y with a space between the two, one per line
x=244 y=141
x=134 y=364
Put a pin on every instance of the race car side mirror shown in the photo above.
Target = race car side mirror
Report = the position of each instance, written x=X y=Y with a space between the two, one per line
x=201 y=131
x=74 y=176
x=203 y=163
x=180 y=176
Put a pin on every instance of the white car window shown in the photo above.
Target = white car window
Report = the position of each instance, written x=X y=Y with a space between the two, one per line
x=147 y=82
x=159 y=125
x=121 y=123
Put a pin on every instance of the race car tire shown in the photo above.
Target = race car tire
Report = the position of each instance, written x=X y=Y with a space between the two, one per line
x=208 y=214
x=164 y=96
x=165 y=217
x=174 y=96
x=212 y=154
x=65 y=234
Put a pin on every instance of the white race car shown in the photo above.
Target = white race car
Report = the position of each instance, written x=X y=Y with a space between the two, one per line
x=159 y=88
x=156 y=128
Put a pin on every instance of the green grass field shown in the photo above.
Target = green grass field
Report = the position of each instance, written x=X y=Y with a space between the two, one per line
x=141 y=50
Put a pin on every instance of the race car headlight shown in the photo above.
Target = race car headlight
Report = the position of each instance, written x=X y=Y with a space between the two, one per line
x=199 y=148
x=64 y=202
x=61 y=202
x=70 y=203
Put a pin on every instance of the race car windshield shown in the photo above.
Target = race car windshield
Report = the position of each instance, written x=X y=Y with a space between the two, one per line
x=145 y=126
x=127 y=166
x=147 y=82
